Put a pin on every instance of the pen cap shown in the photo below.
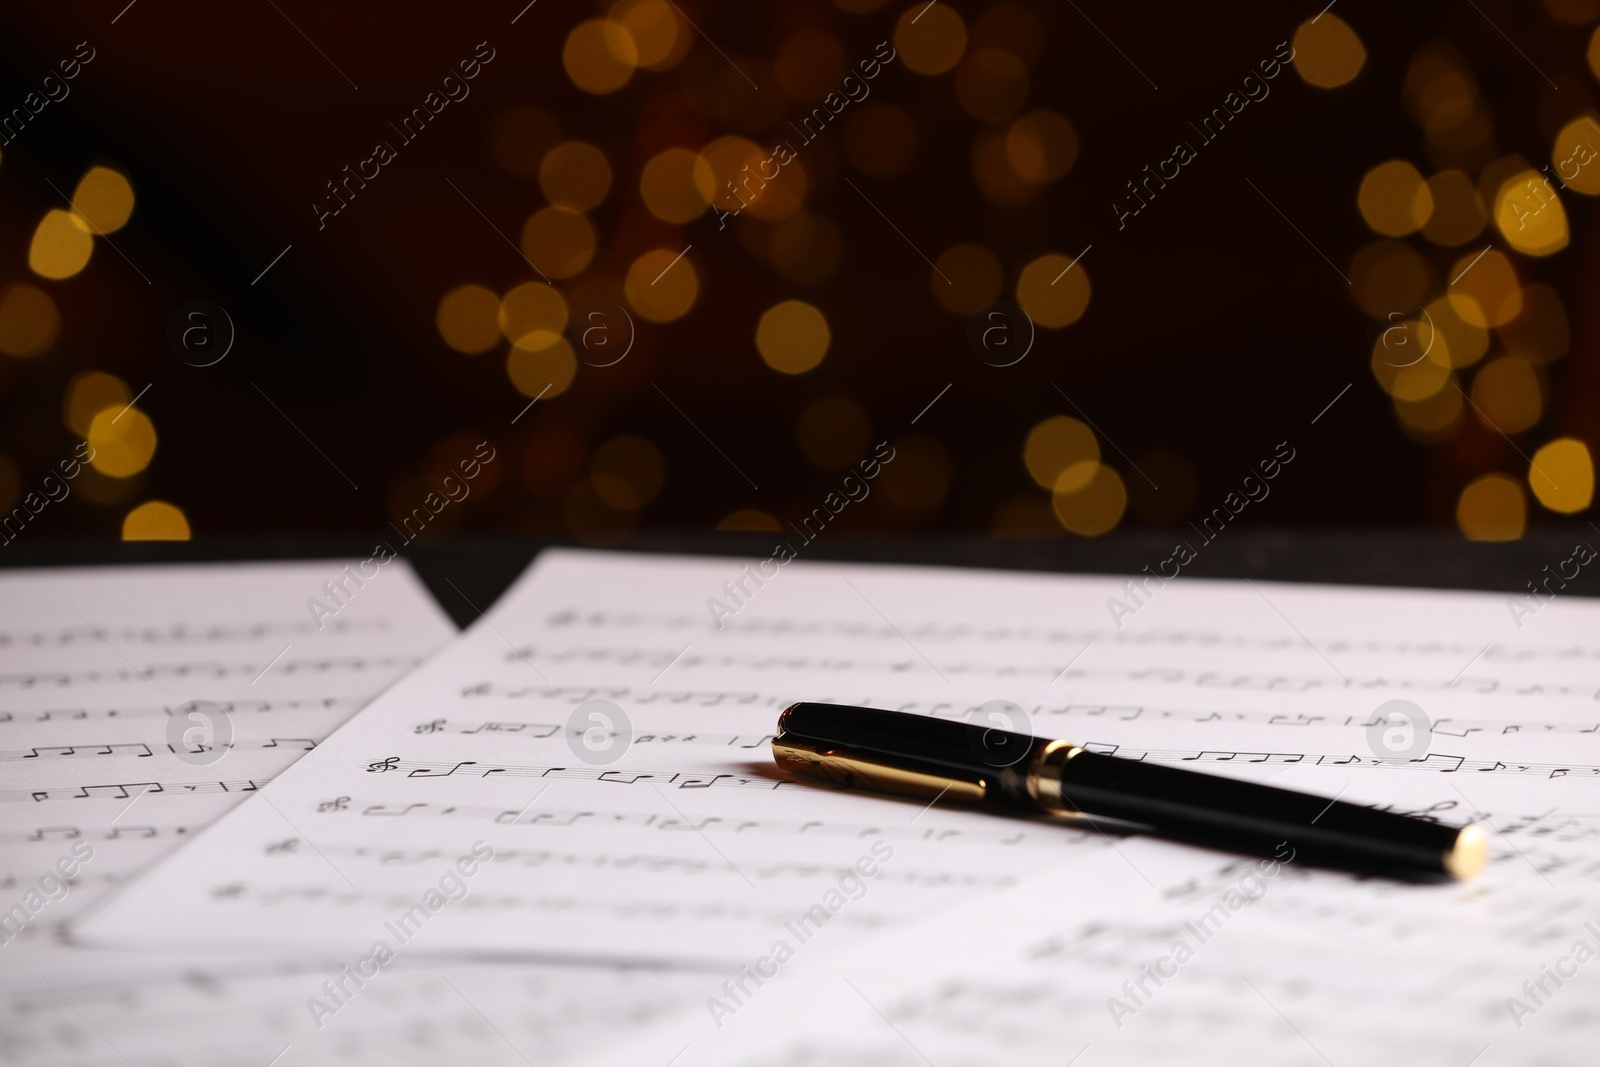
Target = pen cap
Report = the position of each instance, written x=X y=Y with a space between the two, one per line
x=913 y=755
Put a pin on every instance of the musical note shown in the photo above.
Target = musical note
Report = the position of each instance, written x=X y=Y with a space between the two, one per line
x=380 y=766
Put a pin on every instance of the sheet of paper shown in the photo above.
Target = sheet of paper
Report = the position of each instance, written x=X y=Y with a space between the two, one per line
x=687 y=847
x=138 y=704
x=676 y=842
x=1164 y=955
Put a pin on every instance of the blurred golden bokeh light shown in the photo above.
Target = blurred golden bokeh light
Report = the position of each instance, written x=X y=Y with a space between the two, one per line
x=576 y=175
x=1432 y=419
x=792 y=337
x=1439 y=89
x=29 y=320
x=659 y=36
x=1485 y=291
x=1327 y=52
x=155 y=520
x=544 y=372
x=62 y=245
x=677 y=185
x=1394 y=200
x=559 y=241
x=1041 y=146
x=469 y=319
x=991 y=84
x=104 y=198
x=1506 y=395
x=1054 y=445
x=930 y=38
x=1528 y=212
x=123 y=441
x=599 y=56
x=749 y=520
x=1574 y=157
x=88 y=394
x=532 y=315
x=1464 y=342
x=1089 y=498
x=1562 y=476
x=1053 y=290
x=1388 y=276
x=661 y=285
x=1492 y=508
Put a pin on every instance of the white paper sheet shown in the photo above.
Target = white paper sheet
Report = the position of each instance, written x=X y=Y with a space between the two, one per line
x=99 y=754
x=139 y=704
x=687 y=848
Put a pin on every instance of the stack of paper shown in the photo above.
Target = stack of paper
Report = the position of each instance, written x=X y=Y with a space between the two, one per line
x=564 y=832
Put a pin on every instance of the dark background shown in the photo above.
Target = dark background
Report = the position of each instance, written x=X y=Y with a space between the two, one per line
x=1215 y=330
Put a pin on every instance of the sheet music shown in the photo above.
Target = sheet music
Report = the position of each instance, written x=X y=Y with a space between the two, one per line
x=1159 y=954
x=95 y=758
x=139 y=704
x=688 y=847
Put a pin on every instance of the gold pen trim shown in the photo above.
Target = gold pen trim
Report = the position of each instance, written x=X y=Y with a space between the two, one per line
x=1044 y=777
x=851 y=771
x=1467 y=856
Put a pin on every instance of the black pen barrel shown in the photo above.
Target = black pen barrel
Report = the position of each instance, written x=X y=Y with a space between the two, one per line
x=968 y=761
x=1241 y=816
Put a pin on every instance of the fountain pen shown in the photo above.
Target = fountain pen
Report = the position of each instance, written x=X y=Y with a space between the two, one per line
x=915 y=755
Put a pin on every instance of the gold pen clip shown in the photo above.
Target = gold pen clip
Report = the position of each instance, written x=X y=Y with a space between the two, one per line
x=848 y=770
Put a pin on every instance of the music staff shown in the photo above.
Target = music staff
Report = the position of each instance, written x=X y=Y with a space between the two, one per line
x=129 y=790
x=658 y=658
x=139 y=749
x=168 y=710
x=474 y=769
x=960 y=632
x=1433 y=761
x=181 y=634
x=209 y=670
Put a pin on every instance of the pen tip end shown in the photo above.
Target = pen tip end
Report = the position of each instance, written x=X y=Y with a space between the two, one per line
x=1467 y=856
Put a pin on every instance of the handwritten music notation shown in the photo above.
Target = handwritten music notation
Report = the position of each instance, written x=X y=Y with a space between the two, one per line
x=141 y=749
x=910 y=664
x=129 y=790
x=151 y=711
x=967 y=633
x=541 y=730
x=988 y=832
x=1433 y=761
x=181 y=633
x=210 y=670
x=474 y=769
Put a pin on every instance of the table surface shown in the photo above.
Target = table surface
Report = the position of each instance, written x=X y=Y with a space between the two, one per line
x=467 y=574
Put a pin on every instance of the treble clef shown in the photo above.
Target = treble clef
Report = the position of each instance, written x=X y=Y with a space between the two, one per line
x=430 y=727
x=383 y=765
